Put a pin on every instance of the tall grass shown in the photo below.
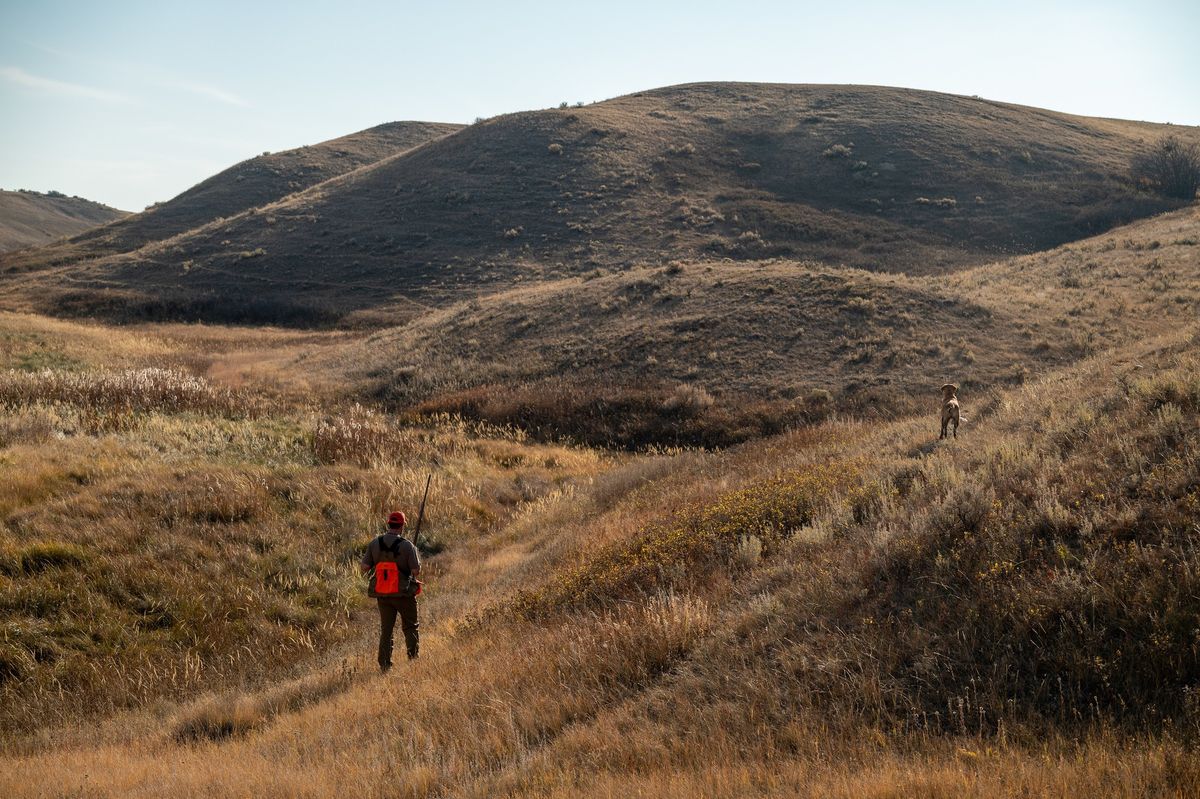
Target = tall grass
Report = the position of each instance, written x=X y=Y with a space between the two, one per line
x=49 y=400
x=362 y=436
x=696 y=541
x=850 y=610
x=195 y=537
x=1066 y=573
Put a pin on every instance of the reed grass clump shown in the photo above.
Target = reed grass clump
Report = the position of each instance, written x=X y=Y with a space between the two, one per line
x=125 y=392
x=361 y=436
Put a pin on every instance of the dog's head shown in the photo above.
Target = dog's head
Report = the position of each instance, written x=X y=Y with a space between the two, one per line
x=949 y=392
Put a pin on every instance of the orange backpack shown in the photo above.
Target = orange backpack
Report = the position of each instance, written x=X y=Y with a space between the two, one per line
x=387 y=580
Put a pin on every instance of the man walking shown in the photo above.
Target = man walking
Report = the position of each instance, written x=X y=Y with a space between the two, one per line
x=392 y=564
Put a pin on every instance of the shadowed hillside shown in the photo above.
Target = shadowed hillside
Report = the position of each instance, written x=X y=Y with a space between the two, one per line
x=766 y=330
x=774 y=342
x=31 y=219
x=879 y=178
x=253 y=182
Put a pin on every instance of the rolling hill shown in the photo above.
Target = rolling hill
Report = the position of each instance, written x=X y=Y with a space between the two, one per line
x=888 y=180
x=32 y=219
x=772 y=337
x=841 y=605
x=761 y=330
x=256 y=181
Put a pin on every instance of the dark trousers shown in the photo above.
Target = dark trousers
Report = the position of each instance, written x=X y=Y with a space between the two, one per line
x=406 y=606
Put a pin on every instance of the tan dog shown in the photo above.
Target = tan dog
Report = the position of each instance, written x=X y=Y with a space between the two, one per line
x=950 y=411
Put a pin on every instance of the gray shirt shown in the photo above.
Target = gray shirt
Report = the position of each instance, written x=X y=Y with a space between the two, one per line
x=405 y=554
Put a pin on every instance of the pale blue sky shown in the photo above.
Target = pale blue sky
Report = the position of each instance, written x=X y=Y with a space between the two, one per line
x=133 y=102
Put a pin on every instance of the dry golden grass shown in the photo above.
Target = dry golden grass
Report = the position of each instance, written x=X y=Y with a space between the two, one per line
x=772 y=673
x=1132 y=282
x=158 y=560
x=847 y=609
x=164 y=534
x=273 y=361
x=950 y=770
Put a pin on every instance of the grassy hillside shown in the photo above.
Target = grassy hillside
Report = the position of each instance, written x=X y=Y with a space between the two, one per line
x=710 y=353
x=690 y=338
x=256 y=181
x=859 y=608
x=1134 y=280
x=162 y=533
x=692 y=530
x=879 y=178
x=31 y=219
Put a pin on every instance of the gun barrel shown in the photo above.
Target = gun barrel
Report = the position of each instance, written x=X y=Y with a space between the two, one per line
x=421 y=512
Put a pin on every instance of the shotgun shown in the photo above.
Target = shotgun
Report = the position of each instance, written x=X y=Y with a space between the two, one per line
x=421 y=512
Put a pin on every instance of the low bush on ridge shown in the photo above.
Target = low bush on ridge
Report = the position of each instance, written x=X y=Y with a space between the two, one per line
x=1172 y=168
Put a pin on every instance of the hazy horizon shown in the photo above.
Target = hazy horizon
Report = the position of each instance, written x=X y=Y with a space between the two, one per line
x=134 y=104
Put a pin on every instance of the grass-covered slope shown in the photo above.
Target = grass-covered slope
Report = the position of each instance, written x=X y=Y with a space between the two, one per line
x=880 y=178
x=853 y=608
x=717 y=352
x=162 y=533
x=31 y=219
x=256 y=181
x=268 y=177
x=687 y=337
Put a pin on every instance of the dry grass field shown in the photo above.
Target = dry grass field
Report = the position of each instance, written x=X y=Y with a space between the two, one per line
x=122 y=480
x=848 y=609
x=691 y=531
